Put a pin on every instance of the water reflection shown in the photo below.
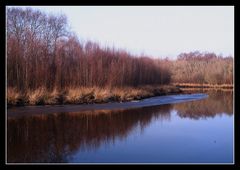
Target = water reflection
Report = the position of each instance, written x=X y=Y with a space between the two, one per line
x=55 y=137
x=218 y=102
x=50 y=138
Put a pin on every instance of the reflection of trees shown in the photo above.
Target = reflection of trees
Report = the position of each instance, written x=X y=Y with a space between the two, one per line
x=54 y=137
x=218 y=102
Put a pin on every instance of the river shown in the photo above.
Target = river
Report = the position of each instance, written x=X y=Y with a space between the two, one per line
x=191 y=131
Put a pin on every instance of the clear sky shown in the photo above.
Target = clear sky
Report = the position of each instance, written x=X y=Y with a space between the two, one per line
x=156 y=31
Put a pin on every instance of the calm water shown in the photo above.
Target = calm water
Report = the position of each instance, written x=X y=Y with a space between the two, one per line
x=191 y=132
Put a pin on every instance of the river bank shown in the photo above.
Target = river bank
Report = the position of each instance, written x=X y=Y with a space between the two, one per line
x=153 y=101
x=84 y=95
x=205 y=86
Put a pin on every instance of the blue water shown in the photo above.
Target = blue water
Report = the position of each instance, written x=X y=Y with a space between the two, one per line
x=171 y=141
x=191 y=132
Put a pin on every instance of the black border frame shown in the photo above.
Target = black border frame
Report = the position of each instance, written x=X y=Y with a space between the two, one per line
x=235 y=3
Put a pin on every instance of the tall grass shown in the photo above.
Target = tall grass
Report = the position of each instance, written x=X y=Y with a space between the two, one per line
x=85 y=95
x=204 y=85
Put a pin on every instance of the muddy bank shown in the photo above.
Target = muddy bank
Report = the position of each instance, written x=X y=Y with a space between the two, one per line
x=153 y=101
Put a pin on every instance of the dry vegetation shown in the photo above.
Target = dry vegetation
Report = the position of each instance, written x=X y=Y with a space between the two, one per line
x=84 y=95
x=202 y=68
x=41 y=52
x=48 y=64
x=208 y=86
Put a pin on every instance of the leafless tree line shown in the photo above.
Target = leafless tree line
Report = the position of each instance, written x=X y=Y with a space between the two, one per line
x=42 y=52
x=196 y=67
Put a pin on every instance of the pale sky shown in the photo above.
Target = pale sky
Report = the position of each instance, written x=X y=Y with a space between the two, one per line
x=162 y=31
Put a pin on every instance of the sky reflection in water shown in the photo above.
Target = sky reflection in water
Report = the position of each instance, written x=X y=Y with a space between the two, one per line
x=192 y=132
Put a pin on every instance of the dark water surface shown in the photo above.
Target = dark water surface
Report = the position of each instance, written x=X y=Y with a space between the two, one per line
x=198 y=131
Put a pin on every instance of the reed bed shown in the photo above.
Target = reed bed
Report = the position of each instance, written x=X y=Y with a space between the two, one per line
x=86 y=95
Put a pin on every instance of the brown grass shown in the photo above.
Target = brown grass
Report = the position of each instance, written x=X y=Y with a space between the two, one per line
x=195 y=85
x=38 y=96
x=84 y=95
x=12 y=96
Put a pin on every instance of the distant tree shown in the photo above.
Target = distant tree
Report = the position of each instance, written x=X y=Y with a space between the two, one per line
x=43 y=53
